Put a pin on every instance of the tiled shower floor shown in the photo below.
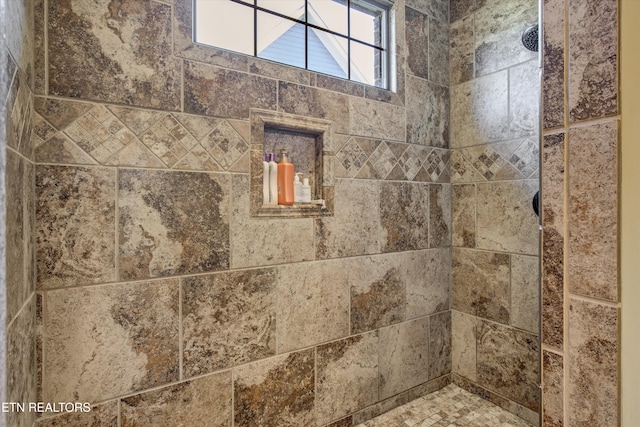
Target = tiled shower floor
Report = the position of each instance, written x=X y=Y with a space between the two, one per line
x=448 y=407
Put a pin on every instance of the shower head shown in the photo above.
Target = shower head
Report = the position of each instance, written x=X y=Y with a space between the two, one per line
x=530 y=38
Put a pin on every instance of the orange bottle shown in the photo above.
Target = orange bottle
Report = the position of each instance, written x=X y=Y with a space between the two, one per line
x=285 y=180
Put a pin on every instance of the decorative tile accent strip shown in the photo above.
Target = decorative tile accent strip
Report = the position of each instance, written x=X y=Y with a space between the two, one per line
x=79 y=132
x=103 y=415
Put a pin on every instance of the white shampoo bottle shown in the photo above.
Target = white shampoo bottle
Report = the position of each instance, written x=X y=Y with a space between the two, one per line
x=306 y=191
x=265 y=180
x=273 y=180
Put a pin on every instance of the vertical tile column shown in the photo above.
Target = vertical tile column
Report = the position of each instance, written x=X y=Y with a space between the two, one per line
x=580 y=303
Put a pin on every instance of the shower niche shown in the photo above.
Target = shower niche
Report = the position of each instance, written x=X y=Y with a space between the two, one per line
x=308 y=144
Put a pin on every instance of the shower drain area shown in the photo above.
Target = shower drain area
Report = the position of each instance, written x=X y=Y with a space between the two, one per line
x=448 y=407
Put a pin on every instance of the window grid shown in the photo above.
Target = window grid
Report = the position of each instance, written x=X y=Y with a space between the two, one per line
x=379 y=49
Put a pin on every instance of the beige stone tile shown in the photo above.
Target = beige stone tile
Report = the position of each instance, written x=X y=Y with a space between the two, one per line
x=508 y=363
x=105 y=341
x=204 y=401
x=103 y=415
x=593 y=59
x=256 y=404
x=525 y=288
x=120 y=64
x=439 y=52
x=497 y=32
x=21 y=369
x=524 y=99
x=479 y=110
x=375 y=119
x=18 y=287
x=228 y=319
x=463 y=207
x=553 y=99
x=552 y=389
x=480 y=284
x=404 y=216
x=593 y=382
x=313 y=102
x=463 y=345
x=417 y=39
x=403 y=356
x=312 y=304
x=593 y=211
x=461 y=45
x=378 y=290
x=438 y=9
x=427 y=113
x=259 y=242
x=75 y=225
x=440 y=344
x=439 y=215
x=192 y=237
x=505 y=219
x=204 y=85
x=347 y=376
x=428 y=281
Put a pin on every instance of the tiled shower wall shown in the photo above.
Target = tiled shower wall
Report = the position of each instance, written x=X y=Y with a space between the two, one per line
x=161 y=299
x=580 y=311
x=20 y=202
x=494 y=176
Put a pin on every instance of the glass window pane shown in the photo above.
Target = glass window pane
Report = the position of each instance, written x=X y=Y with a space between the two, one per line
x=366 y=64
x=366 y=25
x=329 y=14
x=213 y=26
x=280 y=40
x=292 y=8
x=327 y=53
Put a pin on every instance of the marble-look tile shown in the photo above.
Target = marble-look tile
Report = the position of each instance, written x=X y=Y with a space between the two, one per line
x=463 y=212
x=461 y=50
x=593 y=382
x=376 y=119
x=524 y=99
x=103 y=415
x=205 y=86
x=480 y=284
x=552 y=190
x=404 y=216
x=353 y=229
x=105 y=341
x=192 y=236
x=553 y=100
x=440 y=344
x=417 y=36
x=498 y=31
x=480 y=110
x=439 y=52
x=593 y=59
x=347 y=376
x=439 y=215
x=21 y=367
x=258 y=242
x=228 y=319
x=59 y=113
x=459 y=9
x=279 y=71
x=345 y=422
x=427 y=113
x=508 y=363
x=117 y=54
x=378 y=289
x=505 y=219
x=19 y=115
x=276 y=392
x=552 y=389
x=593 y=211
x=204 y=401
x=428 y=282
x=524 y=292
x=438 y=9
x=312 y=304
x=18 y=288
x=75 y=225
x=403 y=356
x=60 y=149
x=463 y=345
x=335 y=84
x=313 y=102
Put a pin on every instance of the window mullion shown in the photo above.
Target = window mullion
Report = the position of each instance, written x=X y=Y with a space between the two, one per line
x=349 y=39
x=255 y=28
x=306 y=34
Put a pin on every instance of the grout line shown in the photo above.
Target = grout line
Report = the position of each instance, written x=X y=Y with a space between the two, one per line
x=180 y=332
x=46 y=46
x=565 y=242
x=116 y=260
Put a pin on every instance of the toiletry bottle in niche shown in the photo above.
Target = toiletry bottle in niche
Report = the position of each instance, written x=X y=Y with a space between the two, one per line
x=306 y=191
x=297 y=188
x=273 y=180
x=265 y=179
x=285 y=180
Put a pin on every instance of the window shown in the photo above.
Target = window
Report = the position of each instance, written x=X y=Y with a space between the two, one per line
x=342 y=38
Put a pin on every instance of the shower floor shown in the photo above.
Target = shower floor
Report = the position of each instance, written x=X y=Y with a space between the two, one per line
x=448 y=407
